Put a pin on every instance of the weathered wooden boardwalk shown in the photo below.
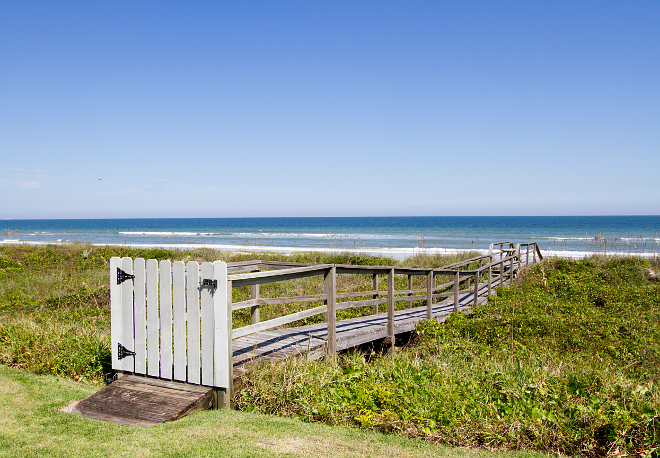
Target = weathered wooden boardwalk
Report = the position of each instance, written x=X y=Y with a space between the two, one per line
x=311 y=341
x=172 y=322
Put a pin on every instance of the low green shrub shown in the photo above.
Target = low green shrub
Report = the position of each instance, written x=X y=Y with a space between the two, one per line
x=565 y=361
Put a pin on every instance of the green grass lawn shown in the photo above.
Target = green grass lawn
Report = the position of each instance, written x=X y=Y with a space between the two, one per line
x=32 y=425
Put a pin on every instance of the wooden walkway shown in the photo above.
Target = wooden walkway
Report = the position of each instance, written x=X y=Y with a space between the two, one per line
x=310 y=341
x=175 y=349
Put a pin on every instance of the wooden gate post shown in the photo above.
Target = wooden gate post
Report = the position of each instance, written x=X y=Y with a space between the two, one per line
x=223 y=353
x=330 y=287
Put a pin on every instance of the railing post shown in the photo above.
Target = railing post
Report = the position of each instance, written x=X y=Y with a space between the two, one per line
x=534 y=253
x=476 y=289
x=254 y=311
x=511 y=267
x=409 y=289
x=390 y=308
x=527 y=256
x=222 y=348
x=501 y=272
x=457 y=277
x=430 y=280
x=330 y=287
x=375 y=288
x=490 y=279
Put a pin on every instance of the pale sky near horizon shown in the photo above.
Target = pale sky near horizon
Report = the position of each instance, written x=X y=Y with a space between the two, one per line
x=231 y=109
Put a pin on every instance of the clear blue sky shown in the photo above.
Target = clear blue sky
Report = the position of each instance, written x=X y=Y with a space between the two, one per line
x=223 y=109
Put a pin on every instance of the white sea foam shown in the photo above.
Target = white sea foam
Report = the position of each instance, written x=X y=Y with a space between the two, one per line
x=166 y=234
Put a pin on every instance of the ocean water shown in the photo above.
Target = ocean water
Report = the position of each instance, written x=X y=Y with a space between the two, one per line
x=398 y=237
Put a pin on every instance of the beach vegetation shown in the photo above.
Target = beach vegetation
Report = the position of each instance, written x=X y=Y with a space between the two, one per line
x=564 y=361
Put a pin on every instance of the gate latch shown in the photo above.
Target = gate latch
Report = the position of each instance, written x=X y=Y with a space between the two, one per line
x=209 y=282
x=124 y=352
x=123 y=276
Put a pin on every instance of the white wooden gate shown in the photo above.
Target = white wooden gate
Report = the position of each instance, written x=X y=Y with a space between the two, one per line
x=170 y=320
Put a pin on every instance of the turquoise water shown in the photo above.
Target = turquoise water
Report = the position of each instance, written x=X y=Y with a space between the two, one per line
x=573 y=236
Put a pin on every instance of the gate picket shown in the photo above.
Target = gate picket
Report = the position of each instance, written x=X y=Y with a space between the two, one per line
x=153 y=325
x=115 y=313
x=192 y=313
x=207 y=327
x=127 y=337
x=166 y=319
x=179 y=319
x=140 y=317
x=171 y=321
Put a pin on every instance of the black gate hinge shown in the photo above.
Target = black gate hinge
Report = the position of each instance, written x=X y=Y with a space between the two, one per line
x=124 y=352
x=209 y=282
x=123 y=276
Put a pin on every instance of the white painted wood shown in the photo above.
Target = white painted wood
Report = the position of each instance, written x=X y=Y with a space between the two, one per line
x=115 y=313
x=140 y=317
x=153 y=324
x=207 y=327
x=192 y=313
x=127 y=338
x=179 y=319
x=165 y=319
x=223 y=377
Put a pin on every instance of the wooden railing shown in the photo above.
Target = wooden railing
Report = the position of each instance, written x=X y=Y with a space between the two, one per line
x=498 y=265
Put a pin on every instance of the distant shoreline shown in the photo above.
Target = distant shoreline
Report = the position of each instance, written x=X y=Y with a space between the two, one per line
x=395 y=253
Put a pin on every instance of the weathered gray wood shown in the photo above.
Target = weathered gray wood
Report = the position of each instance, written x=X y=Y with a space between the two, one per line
x=364 y=303
x=291 y=300
x=490 y=280
x=390 y=308
x=456 y=291
x=255 y=278
x=245 y=304
x=375 y=295
x=275 y=322
x=130 y=401
x=409 y=292
x=476 y=288
x=430 y=280
x=356 y=294
x=254 y=311
x=330 y=289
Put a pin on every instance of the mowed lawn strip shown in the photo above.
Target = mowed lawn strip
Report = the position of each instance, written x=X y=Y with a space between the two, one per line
x=32 y=424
